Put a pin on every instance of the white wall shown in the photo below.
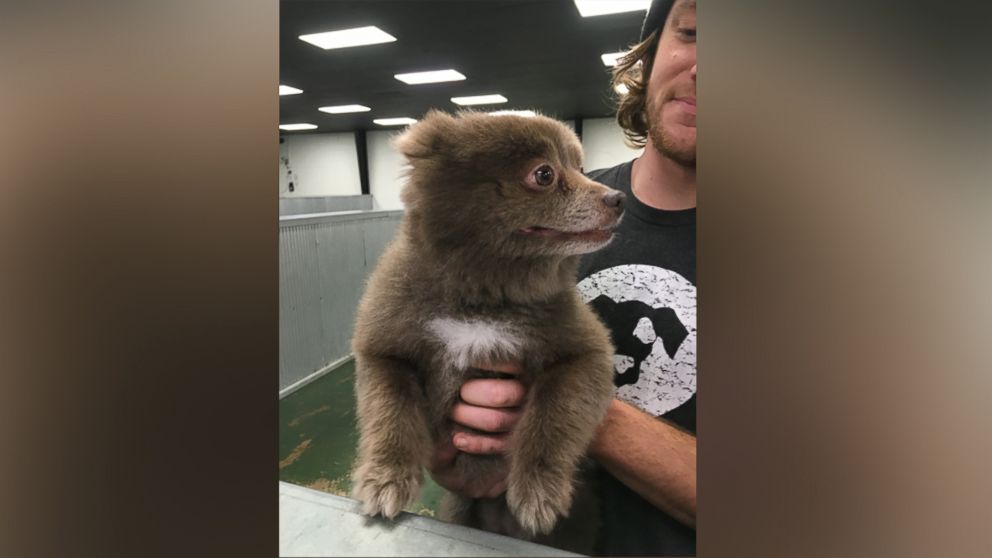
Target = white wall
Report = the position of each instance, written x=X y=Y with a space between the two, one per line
x=322 y=165
x=603 y=144
x=385 y=169
x=327 y=164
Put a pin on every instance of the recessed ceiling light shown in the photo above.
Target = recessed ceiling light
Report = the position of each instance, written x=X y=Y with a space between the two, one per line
x=399 y=121
x=287 y=90
x=342 y=109
x=590 y=8
x=516 y=112
x=348 y=38
x=294 y=127
x=479 y=100
x=436 y=76
x=621 y=89
x=610 y=58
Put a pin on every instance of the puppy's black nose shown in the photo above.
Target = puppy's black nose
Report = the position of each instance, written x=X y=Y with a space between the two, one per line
x=614 y=199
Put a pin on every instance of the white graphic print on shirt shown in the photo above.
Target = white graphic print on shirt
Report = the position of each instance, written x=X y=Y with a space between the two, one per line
x=653 y=313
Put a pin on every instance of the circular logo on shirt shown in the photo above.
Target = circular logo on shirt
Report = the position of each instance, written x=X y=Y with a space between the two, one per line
x=652 y=315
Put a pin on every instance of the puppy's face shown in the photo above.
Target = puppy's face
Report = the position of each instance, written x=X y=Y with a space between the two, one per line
x=510 y=185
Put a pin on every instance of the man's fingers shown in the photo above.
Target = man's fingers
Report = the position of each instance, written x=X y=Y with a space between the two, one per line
x=481 y=444
x=444 y=455
x=490 y=409
x=484 y=418
x=493 y=393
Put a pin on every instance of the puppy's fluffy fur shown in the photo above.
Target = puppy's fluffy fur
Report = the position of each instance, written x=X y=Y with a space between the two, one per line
x=483 y=270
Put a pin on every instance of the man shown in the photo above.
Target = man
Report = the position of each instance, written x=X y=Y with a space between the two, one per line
x=643 y=286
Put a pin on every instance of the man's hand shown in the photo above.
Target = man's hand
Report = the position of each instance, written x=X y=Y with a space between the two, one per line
x=483 y=419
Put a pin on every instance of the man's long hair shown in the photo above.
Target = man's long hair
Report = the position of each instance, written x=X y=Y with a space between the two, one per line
x=633 y=71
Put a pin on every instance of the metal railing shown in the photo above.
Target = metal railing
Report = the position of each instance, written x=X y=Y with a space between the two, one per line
x=301 y=205
x=315 y=523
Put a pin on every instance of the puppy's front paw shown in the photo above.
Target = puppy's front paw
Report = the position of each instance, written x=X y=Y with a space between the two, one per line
x=385 y=490
x=538 y=502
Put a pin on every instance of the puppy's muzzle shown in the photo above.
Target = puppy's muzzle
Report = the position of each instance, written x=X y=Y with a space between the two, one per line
x=614 y=200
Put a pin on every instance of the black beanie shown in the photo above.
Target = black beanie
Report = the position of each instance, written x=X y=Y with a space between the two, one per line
x=656 y=16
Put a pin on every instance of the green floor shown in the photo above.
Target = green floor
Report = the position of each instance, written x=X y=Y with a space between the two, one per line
x=317 y=438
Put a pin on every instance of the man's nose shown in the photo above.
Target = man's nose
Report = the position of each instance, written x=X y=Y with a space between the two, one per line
x=693 y=72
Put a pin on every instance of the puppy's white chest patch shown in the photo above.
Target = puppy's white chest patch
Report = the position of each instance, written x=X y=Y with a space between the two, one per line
x=470 y=342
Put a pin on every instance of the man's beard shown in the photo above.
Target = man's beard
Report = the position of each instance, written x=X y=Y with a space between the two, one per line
x=667 y=146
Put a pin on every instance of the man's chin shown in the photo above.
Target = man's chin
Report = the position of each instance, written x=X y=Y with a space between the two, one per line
x=684 y=156
x=681 y=150
x=683 y=160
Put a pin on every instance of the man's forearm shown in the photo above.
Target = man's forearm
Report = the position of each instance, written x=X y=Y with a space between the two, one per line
x=654 y=459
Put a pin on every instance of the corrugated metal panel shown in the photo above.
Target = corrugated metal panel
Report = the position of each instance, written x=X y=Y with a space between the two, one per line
x=378 y=233
x=323 y=263
x=323 y=204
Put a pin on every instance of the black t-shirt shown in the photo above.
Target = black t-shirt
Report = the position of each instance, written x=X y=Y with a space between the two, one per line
x=643 y=286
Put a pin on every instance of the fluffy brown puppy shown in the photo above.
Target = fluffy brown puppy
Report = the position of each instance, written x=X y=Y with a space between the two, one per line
x=482 y=270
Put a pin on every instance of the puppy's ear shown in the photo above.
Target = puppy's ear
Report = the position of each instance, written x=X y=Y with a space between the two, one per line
x=427 y=137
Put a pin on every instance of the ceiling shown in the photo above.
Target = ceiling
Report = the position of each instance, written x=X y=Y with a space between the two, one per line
x=540 y=54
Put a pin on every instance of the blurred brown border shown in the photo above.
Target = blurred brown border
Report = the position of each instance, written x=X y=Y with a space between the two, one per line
x=140 y=295
x=844 y=268
x=843 y=278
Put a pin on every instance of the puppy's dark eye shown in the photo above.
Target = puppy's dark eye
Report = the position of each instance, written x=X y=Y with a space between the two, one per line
x=544 y=175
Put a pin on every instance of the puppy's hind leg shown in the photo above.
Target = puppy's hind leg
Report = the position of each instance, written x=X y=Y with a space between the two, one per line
x=394 y=443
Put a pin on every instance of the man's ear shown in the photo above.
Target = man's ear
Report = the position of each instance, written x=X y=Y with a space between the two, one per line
x=427 y=137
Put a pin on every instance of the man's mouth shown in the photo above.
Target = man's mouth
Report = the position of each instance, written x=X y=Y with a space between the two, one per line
x=687 y=104
x=591 y=235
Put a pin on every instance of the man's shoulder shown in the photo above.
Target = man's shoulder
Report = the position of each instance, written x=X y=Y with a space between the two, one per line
x=618 y=175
